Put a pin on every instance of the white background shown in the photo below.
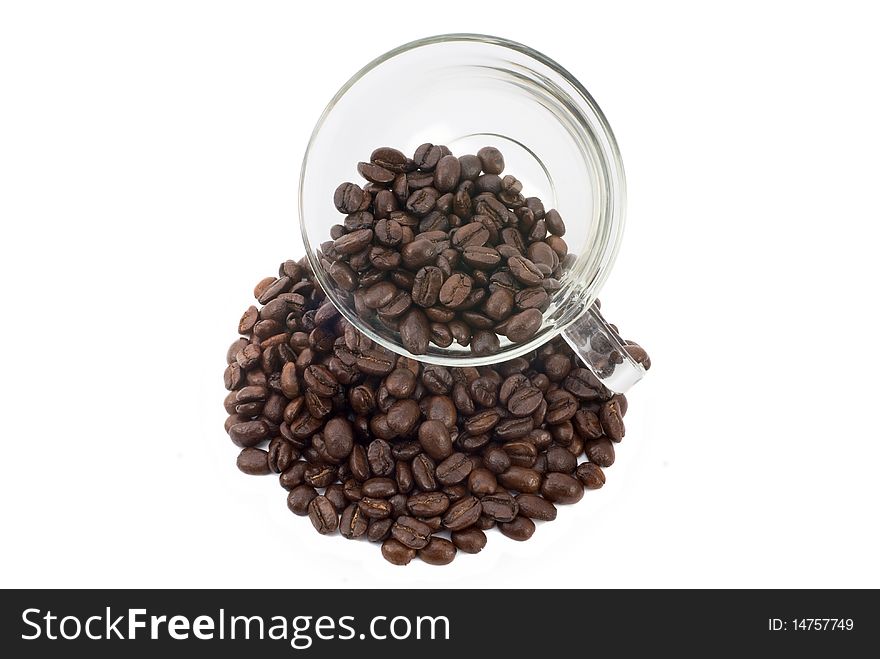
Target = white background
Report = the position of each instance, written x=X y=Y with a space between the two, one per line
x=149 y=155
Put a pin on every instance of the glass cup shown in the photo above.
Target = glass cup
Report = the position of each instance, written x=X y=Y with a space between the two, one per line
x=468 y=91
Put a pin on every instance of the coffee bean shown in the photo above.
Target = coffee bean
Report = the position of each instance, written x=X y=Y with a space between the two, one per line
x=522 y=452
x=485 y=343
x=249 y=433
x=415 y=332
x=462 y=514
x=427 y=156
x=454 y=469
x=600 y=451
x=423 y=468
x=535 y=507
x=374 y=508
x=438 y=551
x=524 y=401
x=587 y=424
x=521 y=528
x=375 y=362
x=299 y=498
x=455 y=290
x=482 y=481
x=253 y=461
x=612 y=420
x=447 y=173
x=338 y=438
x=521 y=479
x=524 y=325
x=323 y=515
x=435 y=440
x=501 y=507
x=391 y=159
x=470 y=540
x=400 y=383
x=428 y=504
x=379 y=530
x=397 y=553
x=353 y=523
x=380 y=458
x=560 y=459
x=590 y=475
x=491 y=160
x=379 y=487
x=403 y=416
x=474 y=234
x=426 y=286
x=411 y=532
x=562 y=488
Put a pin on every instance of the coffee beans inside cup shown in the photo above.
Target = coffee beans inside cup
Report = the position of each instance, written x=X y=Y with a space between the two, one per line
x=422 y=459
x=439 y=249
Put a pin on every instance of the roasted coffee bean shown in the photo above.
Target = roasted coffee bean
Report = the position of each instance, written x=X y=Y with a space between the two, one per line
x=587 y=424
x=438 y=551
x=338 y=438
x=521 y=479
x=323 y=515
x=455 y=290
x=470 y=540
x=522 y=452
x=496 y=460
x=554 y=222
x=411 y=532
x=397 y=553
x=462 y=514
x=253 y=461
x=403 y=415
x=379 y=487
x=299 y=498
x=428 y=504
x=521 y=528
x=612 y=420
x=375 y=508
x=375 y=362
x=560 y=459
x=380 y=458
x=454 y=469
x=249 y=433
x=335 y=493
x=535 y=507
x=491 y=160
x=391 y=159
x=590 y=475
x=485 y=343
x=524 y=271
x=424 y=472
x=426 y=286
x=281 y=455
x=427 y=156
x=379 y=530
x=562 y=488
x=353 y=523
x=482 y=481
x=600 y=451
x=294 y=475
x=523 y=326
x=403 y=476
x=524 y=401
x=447 y=173
x=501 y=507
x=435 y=440
x=415 y=332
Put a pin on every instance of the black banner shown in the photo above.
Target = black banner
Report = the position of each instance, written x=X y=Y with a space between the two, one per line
x=422 y=623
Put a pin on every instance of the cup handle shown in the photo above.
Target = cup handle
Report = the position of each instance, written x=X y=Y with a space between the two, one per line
x=602 y=350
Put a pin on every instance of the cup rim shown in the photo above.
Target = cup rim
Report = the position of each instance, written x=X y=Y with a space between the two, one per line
x=616 y=202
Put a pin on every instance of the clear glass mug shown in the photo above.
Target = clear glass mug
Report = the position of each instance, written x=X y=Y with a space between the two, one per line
x=468 y=91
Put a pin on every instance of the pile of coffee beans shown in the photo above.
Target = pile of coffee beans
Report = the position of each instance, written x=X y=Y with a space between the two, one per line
x=438 y=248
x=420 y=458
